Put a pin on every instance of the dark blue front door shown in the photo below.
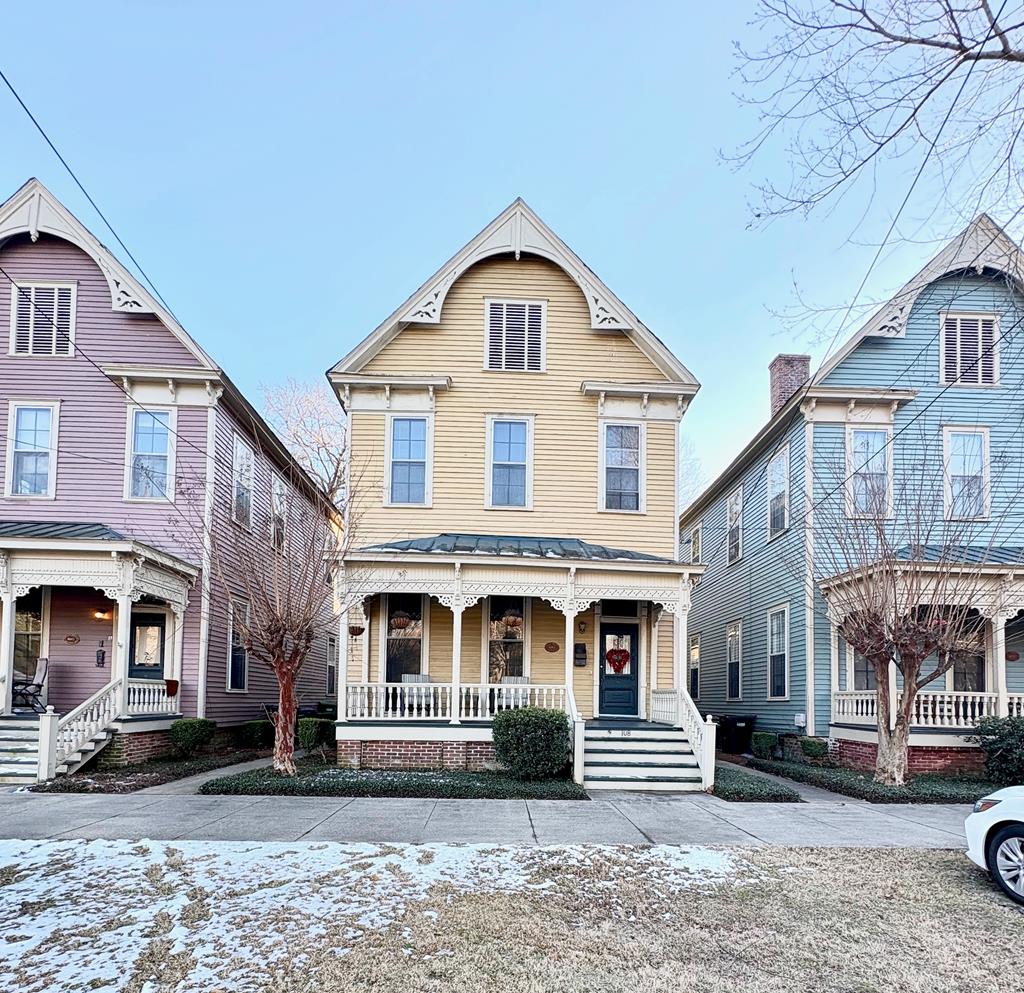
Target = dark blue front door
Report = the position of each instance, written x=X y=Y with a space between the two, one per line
x=620 y=671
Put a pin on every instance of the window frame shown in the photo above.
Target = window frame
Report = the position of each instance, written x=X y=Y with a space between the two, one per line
x=485 y=634
x=527 y=301
x=45 y=284
x=428 y=470
x=947 y=481
x=235 y=603
x=129 y=452
x=331 y=665
x=738 y=491
x=698 y=530
x=980 y=315
x=781 y=608
x=278 y=482
x=738 y=625
x=783 y=455
x=237 y=441
x=693 y=639
x=851 y=430
x=382 y=638
x=602 y=452
x=492 y=419
x=13 y=406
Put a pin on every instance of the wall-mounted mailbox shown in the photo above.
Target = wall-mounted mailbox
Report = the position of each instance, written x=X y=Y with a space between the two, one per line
x=579 y=655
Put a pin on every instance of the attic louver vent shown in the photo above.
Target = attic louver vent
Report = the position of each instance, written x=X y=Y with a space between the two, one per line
x=515 y=336
x=969 y=349
x=44 y=320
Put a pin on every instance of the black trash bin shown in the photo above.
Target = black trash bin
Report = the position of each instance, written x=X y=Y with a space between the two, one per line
x=735 y=733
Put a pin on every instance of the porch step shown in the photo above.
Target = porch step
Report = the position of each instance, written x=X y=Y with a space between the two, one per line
x=19 y=750
x=638 y=756
x=637 y=744
x=675 y=784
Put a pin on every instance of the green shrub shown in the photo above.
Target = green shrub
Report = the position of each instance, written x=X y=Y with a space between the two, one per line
x=312 y=732
x=532 y=743
x=1002 y=741
x=763 y=743
x=814 y=748
x=255 y=734
x=743 y=787
x=190 y=734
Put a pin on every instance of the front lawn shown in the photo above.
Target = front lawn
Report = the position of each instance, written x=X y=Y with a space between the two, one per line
x=318 y=778
x=138 y=777
x=850 y=782
x=739 y=786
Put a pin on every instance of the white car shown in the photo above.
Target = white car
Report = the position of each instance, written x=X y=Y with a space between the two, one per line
x=995 y=838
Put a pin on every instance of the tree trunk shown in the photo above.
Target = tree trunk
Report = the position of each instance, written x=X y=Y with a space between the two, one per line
x=284 y=723
x=891 y=763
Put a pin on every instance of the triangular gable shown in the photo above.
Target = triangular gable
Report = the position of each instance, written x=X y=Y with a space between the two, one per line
x=983 y=244
x=516 y=230
x=34 y=210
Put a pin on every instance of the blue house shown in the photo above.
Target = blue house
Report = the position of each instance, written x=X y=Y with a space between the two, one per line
x=917 y=422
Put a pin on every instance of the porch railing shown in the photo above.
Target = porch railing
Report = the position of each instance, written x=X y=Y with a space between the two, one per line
x=931 y=709
x=1016 y=702
x=81 y=725
x=480 y=702
x=676 y=707
x=150 y=696
x=398 y=701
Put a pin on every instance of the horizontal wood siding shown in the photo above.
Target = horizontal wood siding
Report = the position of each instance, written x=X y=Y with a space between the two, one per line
x=73 y=675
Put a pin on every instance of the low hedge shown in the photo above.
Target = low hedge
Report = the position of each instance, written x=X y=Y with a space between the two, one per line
x=850 y=782
x=190 y=734
x=763 y=744
x=312 y=732
x=532 y=743
x=255 y=734
x=738 y=786
x=318 y=778
x=1002 y=741
x=814 y=748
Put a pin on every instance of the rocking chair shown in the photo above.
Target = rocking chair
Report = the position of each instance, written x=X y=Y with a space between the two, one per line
x=29 y=692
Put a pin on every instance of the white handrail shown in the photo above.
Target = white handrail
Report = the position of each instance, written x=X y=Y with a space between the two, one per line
x=676 y=707
x=577 y=727
x=87 y=719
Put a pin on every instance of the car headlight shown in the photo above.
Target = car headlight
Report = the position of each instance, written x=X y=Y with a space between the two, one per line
x=982 y=805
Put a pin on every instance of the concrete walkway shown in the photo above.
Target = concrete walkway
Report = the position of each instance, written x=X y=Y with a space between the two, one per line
x=805 y=791
x=630 y=819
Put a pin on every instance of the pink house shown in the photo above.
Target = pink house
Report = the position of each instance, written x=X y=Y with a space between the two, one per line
x=125 y=444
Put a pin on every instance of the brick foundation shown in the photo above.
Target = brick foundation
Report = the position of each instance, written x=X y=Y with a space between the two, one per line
x=921 y=759
x=127 y=748
x=473 y=756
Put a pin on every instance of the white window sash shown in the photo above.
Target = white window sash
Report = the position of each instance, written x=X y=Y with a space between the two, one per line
x=735 y=497
x=130 y=453
x=602 y=442
x=948 y=430
x=492 y=419
x=278 y=514
x=243 y=473
x=696 y=539
x=428 y=471
x=855 y=467
x=236 y=606
x=734 y=634
x=780 y=458
x=782 y=609
x=694 y=642
x=53 y=406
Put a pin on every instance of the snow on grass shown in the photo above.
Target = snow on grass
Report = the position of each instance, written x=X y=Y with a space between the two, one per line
x=143 y=916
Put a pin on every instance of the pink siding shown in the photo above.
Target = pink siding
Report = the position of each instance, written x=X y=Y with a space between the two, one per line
x=73 y=675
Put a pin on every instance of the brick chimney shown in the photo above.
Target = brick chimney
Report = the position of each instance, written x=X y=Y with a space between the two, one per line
x=788 y=374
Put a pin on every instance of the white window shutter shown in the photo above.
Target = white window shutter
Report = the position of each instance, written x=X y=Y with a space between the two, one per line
x=988 y=350
x=63 y=321
x=951 y=349
x=496 y=336
x=23 y=322
x=534 y=336
x=515 y=336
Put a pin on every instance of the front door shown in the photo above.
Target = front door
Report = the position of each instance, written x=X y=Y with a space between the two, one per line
x=146 y=656
x=620 y=670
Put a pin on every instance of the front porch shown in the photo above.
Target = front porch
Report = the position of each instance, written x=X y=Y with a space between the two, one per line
x=91 y=634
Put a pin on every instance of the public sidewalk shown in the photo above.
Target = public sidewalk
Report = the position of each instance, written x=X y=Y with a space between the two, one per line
x=683 y=819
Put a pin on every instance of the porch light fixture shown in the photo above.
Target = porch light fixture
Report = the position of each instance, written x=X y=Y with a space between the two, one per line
x=101 y=615
x=400 y=620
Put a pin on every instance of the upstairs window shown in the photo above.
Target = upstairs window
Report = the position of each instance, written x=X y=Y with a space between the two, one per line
x=242 y=469
x=278 y=513
x=734 y=524
x=407 y=461
x=868 y=466
x=32 y=450
x=515 y=335
x=970 y=349
x=149 y=456
x=622 y=467
x=43 y=319
x=778 y=493
x=509 y=473
x=966 y=471
x=695 y=551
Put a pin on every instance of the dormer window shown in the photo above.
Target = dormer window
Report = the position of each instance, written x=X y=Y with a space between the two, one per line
x=970 y=349
x=515 y=335
x=43 y=319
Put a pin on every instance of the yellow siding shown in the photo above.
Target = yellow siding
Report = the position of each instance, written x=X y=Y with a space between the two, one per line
x=565 y=489
x=666 y=633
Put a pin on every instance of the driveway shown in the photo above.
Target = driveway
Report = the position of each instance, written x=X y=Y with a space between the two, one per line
x=626 y=819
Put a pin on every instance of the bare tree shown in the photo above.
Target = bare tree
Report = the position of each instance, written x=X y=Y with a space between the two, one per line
x=847 y=85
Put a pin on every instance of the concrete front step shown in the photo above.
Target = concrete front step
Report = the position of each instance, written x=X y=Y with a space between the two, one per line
x=634 y=734
x=638 y=773
x=632 y=746
x=676 y=784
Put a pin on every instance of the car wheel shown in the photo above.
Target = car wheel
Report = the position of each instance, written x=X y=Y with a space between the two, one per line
x=1005 y=857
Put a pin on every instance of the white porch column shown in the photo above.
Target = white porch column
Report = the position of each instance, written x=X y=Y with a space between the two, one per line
x=122 y=644
x=679 y=668
x=570 y=622
x=456 y=704
x=834 y=644
x=179 y=650
x=999 y=660
x=341 y=676
x=7 y=650
x=655 y=615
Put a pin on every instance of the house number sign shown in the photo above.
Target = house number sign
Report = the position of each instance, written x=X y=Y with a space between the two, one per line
x=551 y=646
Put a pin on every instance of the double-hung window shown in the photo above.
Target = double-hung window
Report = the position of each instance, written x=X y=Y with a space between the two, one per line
x=864 y=677
x=965 y=452
x=778 y=493
x=332 y=665
x=734 y=524
x=970 y=349
x=238 y=655
x=150 y=455
x=733 y=660
x=622 y=467
x=515 y=335
x=242 y=482
x=778 y=653
x=506 y=637
x=43 y=319
x=278 y=513
x=694 y=666
x=509 y=473
x=32 y=450
x=408 y=454
x=695 y=542
x=405 y=635
x=868 y=468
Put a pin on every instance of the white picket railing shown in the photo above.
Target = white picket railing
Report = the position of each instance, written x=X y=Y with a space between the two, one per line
x=480 y=702
x=87 y=720
x=577 y=727
x=1016 y=702
x=931 y=709
x=664 y=706
x=855 y=707
x=398 y=701
x=676 y=707
x=149 y=696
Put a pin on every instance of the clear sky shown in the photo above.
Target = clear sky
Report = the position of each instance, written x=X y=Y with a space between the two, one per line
x=288 y=173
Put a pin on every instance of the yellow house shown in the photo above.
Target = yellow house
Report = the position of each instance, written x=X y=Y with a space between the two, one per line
x=512 y=521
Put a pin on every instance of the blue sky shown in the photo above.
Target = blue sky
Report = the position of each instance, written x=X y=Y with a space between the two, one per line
x=288 y=173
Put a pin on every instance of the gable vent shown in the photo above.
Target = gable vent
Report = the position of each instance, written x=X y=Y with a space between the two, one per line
x=969 y=349
x=515 y=335
x=44 y=320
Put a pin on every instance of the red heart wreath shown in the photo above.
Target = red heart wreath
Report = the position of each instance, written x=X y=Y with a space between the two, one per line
x=618 y=659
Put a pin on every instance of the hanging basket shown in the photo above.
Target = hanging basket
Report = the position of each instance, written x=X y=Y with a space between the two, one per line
x=400 y=620
x=512 y=618
x=172 y=687
x=356 y=630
